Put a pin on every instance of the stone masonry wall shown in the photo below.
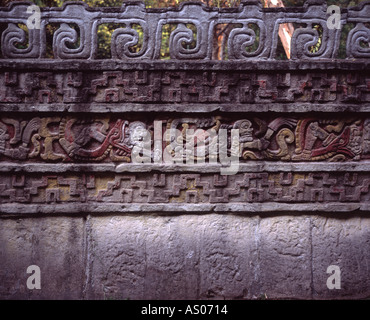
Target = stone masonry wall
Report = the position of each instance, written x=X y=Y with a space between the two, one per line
x=138 y=178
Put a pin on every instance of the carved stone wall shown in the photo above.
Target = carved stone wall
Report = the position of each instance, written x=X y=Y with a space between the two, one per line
x=108 y=164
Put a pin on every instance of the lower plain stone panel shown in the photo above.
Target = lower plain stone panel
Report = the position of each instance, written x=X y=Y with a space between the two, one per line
x=344 y=242
x=284 y=257
x=189 y=256
x=54 y=244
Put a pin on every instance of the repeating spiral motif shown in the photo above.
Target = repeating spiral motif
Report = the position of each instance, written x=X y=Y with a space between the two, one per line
x=243 y=42
x=302 y=40
x=242 y=38
x=13 y=35
x=64 y=35
x=181 y=35
x=357 y=35
x=305 y=38
x=122 y=40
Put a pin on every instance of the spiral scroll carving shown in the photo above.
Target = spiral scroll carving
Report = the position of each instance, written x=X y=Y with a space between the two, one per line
x=242 y=38
x=181 y=35
x=242 y=42
x=13 y=35
x=125 y=38
x=357 y=35
x=304 y=38
x=66 y=34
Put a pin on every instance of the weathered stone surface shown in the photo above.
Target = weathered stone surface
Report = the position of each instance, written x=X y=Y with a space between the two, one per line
x=203 y=18
x=207 y=257
x=358 y=65
x=345 y=242
x=54 y=244
x=284 y=259
x=206 y=87
x=121 y=139
x=167 y=231
x=183 y=257
x=213 y=256
x=116 y=266
x=228 y=264
x=185 y=188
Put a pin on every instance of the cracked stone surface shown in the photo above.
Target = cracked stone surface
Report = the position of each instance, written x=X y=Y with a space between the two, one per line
x=344 y=242
x=285 y=256
x=214 y=256
x=75 y=201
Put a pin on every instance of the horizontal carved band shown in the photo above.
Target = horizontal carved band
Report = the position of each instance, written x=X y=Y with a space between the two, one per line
x=163 y=188
x=187 y=139
x=246 y=167
x=98 y=208
x=73 y=133
x=204 y=20
x=299 y=66
x=334 y=88
x=195 y=108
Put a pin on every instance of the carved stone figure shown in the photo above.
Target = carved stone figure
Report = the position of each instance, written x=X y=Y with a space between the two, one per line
x=93 y=140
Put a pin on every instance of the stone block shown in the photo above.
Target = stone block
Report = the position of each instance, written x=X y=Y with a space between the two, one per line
x=163 y=257
x=55 y=245
x=284 y=259
x=345 y=242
